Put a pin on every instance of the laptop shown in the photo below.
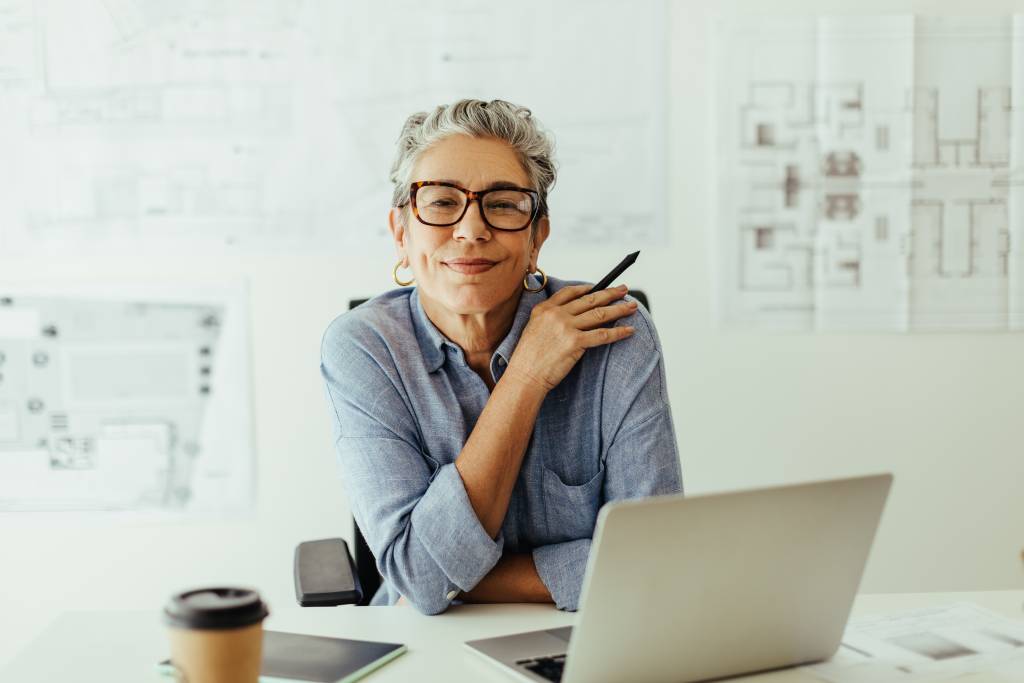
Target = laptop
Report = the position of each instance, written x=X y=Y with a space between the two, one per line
x=700 y=587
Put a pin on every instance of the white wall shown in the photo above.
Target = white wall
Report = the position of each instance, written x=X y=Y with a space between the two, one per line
x=941 y=411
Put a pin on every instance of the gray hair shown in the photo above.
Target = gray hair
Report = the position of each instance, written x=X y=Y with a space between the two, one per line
x=495 y=119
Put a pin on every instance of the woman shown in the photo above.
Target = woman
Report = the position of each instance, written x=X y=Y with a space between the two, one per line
x=483 y=415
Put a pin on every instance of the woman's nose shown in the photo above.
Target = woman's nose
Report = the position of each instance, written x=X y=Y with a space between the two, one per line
x=472 y=226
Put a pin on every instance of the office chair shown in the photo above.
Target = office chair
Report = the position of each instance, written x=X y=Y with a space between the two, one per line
x=325 y=573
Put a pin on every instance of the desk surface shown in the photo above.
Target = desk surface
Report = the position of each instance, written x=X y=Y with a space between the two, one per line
x=124 y=646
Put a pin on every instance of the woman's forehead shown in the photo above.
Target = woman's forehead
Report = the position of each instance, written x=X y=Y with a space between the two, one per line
x=472 y=162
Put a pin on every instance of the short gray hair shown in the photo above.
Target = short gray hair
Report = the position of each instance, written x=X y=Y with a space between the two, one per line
x=495 y=119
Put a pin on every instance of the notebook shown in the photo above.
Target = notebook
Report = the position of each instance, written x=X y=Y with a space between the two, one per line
x=289 y=657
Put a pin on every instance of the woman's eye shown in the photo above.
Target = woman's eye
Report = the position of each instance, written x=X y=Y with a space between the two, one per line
x=442 y=203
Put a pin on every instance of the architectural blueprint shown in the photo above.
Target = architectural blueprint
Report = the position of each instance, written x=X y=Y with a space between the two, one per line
x=871 y=172
x=932 y=644
x=270 y=123
x=122 y=404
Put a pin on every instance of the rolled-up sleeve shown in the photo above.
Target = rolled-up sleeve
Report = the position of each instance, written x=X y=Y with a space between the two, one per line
x=561 y=567
x=414 y=514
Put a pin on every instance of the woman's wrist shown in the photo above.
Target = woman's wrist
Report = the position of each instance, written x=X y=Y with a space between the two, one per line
x=513 y=579
x=526 y=381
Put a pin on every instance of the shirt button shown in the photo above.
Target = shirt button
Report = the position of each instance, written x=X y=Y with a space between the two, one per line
x=451 y=595
x=501 y=361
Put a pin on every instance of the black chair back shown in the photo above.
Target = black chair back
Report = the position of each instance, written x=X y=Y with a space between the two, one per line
x=366 y=564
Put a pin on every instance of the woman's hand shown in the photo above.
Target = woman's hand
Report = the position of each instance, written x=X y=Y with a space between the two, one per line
x=562 y=328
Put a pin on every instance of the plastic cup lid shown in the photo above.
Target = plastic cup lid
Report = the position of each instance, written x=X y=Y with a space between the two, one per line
x=215 y=608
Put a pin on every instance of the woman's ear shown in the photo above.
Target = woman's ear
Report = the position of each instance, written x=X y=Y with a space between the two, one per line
x=396 y=224
x=540 y=234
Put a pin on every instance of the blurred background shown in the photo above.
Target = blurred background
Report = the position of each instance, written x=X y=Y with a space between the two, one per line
x=827 y=197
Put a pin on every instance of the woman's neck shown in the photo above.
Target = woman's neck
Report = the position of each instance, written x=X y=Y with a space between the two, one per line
x=477 y=334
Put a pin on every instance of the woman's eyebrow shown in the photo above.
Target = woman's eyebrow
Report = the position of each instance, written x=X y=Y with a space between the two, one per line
x=503 y=185
x=496 y=185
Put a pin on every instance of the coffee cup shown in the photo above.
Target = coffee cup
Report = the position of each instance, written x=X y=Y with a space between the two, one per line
x=216 y=634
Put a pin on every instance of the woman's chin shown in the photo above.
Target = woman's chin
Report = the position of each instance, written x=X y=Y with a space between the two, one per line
x=470 y=298
x=470 y=302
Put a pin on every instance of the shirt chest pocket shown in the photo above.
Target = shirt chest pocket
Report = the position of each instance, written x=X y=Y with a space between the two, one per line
x=570 y=509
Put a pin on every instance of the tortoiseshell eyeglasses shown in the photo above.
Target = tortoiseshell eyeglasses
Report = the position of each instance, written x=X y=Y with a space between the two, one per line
x=443 y=204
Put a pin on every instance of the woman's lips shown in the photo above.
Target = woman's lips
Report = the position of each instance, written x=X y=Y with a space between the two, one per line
x=470 y=268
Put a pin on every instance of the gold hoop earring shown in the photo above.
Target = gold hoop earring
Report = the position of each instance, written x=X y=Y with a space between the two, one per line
x=394 y=276
x=543 y=284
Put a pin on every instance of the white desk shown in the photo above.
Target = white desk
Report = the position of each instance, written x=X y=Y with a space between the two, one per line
x=124 y=646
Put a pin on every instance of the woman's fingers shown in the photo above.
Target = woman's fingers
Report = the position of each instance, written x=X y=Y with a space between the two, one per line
x=568 y=293
x=605 y=335
x=600 y=298
x=596 y=317
x=559 y=332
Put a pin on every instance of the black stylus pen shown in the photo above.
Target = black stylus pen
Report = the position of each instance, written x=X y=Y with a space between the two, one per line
x=616 y=271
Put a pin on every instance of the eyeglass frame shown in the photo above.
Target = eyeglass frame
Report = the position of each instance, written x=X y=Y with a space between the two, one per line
x=472 y=196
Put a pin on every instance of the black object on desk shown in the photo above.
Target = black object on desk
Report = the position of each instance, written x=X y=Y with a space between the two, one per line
x=300 y=657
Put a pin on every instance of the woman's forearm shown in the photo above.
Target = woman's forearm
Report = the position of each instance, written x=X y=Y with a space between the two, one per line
x=490 y=460
x=513 y=579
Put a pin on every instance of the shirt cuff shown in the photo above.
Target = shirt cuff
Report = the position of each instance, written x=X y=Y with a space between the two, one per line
x=561 y=567
x=450 y=531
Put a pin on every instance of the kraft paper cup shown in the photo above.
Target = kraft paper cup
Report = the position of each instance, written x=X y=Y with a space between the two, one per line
x=216 y=634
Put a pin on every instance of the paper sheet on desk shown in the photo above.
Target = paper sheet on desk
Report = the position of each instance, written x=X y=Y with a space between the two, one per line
x=932 y=644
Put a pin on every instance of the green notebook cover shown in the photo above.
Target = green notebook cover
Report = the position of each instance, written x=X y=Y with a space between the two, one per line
x=290 y=657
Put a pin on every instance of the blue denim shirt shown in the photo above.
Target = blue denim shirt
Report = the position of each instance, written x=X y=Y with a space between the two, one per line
x=404 y=401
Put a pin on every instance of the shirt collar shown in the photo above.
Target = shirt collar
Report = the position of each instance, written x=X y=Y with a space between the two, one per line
x=432 y=342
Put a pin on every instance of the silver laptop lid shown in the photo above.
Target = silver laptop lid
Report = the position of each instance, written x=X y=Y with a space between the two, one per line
x=690 y=588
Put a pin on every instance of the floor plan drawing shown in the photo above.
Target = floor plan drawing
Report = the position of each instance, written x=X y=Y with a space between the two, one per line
x=18 y=61
x=871 y=172
x=107 y=404
x=271 y=123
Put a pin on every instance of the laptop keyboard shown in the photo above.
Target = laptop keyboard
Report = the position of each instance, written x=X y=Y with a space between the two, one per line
x=546 y=667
